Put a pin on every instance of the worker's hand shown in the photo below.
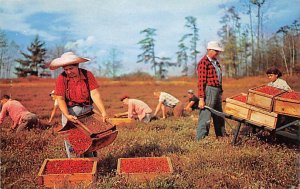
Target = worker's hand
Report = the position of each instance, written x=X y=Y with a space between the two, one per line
x=71 y=118
x=104 y=117
x=201 y=103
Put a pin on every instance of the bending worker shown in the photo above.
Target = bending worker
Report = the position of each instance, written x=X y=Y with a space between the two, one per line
x=137 y=109
x=21 y=117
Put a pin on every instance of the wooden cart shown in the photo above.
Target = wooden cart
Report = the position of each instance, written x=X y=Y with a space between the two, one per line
x=278 y=127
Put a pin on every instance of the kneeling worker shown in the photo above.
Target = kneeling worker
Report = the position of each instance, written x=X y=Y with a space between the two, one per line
x=193 y=102
x=21 y=117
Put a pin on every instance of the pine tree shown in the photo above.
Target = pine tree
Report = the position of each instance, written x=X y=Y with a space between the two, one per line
x=194 y=37
x=182 y=57
x=33 y=61
x=147 y=45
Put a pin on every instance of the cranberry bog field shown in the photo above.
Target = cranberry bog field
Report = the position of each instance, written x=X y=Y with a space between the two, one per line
x=257 y=161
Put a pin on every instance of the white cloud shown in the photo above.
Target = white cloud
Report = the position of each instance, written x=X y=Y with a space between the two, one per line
x=95 y=26
x=81 y=43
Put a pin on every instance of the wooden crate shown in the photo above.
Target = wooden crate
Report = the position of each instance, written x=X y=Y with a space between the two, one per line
x=260 y=99
x=287 y=106
x=237 y=108
x=263 y=118
x=67 y=180
x=145 y=168
x=120 y=121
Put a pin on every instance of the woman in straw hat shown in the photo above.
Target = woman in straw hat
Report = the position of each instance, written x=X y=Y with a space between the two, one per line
x=76 y=89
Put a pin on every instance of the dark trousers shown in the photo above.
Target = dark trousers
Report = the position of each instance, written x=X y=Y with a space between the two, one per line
x=213 y=99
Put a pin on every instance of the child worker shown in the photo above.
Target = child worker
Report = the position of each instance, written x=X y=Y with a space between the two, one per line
x=274 y=75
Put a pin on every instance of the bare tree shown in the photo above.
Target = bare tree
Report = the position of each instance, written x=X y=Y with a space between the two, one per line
x=259 y=4
x=52 y=53
x=113 y=65
x=3 y=52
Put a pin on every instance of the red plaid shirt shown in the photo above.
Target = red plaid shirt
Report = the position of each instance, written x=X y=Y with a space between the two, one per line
x=207 y=76
x=78 y=92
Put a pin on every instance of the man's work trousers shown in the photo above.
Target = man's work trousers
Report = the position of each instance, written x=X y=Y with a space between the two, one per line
x=213 y=99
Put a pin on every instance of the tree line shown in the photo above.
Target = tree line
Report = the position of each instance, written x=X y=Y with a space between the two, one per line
x=248 y=51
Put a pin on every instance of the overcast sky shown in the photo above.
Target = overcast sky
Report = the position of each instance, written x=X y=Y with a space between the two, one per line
x=95 y=26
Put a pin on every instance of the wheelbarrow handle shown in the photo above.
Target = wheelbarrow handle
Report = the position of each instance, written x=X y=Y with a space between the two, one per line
x=220 y=114
x=81 y=126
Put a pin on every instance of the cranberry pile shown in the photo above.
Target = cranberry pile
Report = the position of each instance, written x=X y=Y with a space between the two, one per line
x=79 y=141
x=291 y=95
x=68 y=166
x=241 y=98
x=269 y=90
x=95 y=125
x=144 y=165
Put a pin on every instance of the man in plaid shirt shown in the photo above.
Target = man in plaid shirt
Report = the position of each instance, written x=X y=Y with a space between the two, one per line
x=210 y=91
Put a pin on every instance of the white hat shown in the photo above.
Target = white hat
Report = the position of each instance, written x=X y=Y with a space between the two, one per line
x=52 y=93
x=215 y=46
x=190 y=91
x=67 y=58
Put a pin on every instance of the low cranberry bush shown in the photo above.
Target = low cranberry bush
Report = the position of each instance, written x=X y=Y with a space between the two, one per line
x=144 y=165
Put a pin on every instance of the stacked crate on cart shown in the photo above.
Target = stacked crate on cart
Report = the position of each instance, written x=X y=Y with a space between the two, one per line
x=288 y=104
x=237 y=106
x=256 y=107
x=262 y=99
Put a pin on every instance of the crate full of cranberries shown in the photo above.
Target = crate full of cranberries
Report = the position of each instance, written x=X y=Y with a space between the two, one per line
x=144 y=168
x=263 y=96
x=236 y=105
x=67 y=172
x=288 y=104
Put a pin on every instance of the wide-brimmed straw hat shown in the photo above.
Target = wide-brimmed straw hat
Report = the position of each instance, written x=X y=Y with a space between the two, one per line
x=214 y=45
x=67 y=58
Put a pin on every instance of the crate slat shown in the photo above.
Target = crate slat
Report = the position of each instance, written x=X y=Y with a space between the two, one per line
x=261 y=117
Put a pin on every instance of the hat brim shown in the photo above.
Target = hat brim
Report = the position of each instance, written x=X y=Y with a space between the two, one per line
x=216 y=49
x=59 y=62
